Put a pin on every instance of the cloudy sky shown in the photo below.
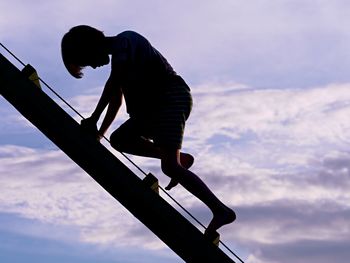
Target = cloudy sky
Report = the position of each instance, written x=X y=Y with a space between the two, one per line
x=270 y=130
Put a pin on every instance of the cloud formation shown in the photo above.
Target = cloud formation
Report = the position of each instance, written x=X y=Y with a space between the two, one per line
x=277 y=156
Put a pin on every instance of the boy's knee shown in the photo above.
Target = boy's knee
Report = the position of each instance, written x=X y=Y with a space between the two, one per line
x=116 y=139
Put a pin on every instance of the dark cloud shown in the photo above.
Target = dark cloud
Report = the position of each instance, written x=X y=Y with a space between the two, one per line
x=295 y=231
x=305 y=251
x=331 y=172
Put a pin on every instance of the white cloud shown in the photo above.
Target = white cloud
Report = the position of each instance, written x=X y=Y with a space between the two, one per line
x=299 y=117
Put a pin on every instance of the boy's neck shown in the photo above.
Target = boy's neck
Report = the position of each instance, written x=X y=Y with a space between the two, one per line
x=109 y=43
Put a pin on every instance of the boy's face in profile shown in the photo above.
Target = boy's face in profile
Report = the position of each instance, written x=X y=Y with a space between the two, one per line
x=91 y=59
x=96 y=60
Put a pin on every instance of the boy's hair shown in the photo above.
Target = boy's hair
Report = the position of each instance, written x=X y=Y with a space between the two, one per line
x=77 y=45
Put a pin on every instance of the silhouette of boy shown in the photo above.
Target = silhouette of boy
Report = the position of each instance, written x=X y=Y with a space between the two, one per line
x=158 y=102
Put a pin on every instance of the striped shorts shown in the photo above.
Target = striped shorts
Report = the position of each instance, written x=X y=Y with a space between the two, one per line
x=170 y=125
x=165 y=127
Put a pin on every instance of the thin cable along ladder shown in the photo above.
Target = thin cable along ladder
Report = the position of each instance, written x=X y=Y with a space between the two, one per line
x=117 y=179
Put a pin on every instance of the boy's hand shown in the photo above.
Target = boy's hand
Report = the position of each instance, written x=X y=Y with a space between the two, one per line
x=89 y=126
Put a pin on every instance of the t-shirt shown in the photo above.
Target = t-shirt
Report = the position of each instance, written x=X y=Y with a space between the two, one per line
x=143 y=73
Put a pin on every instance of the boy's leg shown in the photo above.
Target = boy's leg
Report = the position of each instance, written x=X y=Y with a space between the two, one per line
x=171 y=166
x=186 y=161
x=128 y=139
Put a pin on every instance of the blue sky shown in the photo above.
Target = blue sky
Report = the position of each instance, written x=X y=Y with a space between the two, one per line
x=270 y=130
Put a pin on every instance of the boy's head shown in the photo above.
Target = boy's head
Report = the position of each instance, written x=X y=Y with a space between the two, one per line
x=83 y=46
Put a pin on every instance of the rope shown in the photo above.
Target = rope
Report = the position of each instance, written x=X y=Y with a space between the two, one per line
x=123 y=154
x=13 y=55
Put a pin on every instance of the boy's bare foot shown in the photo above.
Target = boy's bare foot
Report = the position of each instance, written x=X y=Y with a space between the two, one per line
x=171 y=184
x=187 y=161
x=221 y=218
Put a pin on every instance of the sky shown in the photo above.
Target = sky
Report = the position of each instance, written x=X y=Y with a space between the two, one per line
x=270 y=130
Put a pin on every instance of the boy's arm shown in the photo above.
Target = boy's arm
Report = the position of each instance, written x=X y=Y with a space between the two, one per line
x=103 y=101
x=111 y=96
x=112 y=110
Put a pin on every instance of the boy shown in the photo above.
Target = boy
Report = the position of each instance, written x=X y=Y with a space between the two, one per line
x=157 y=99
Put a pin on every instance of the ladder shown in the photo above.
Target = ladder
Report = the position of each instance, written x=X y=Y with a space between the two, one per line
x=96 y=160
